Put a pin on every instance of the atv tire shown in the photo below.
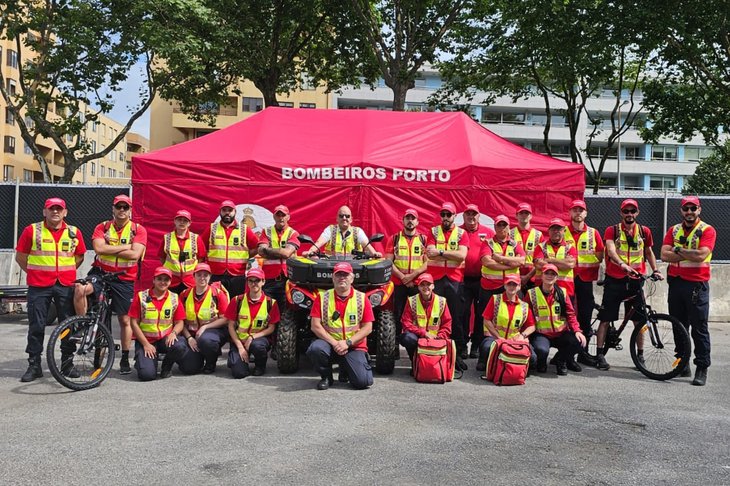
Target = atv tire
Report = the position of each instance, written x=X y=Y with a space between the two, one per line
x=385 y=342
x=286 y=342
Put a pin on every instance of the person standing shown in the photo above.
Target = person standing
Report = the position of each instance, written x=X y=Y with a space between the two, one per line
x=446 y=249
x=120 y=245
x=229 y=247
x=529 y=237
x=276 y=244
x=477 y=234
x=687 y=247
x=342 y=238
x=49 y=252
x=180 y=251
x=560 y=253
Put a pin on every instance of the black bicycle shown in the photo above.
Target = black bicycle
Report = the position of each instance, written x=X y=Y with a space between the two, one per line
x=80 y=351
x=664 y=339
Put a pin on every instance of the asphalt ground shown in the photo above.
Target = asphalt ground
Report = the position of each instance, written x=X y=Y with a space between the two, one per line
x=596 y=427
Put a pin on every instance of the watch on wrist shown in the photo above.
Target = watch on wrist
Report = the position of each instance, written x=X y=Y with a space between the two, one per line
x=677 y=249
x=349 y=343
x=441 y=252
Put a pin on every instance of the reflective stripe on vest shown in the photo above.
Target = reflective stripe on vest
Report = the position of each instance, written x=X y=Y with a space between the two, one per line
x=276 y=242
x=247 y=325
x=112 y=237
x=529 y=245
x=207 y=311
x=47 y=255
x=451 y=245
x=172 y=254
x=431 y=321
x=548 y=318
x=156 y=324
x=352 y=242
x=408 y=255
x=347 y=324
x=232 y=250
x=586 y=247
x=508 y=251
x=632 y=256
x=691 y=242
x=560 y=254
x=508 y=328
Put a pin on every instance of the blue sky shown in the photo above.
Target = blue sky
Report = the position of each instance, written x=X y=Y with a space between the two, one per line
x=128 y=98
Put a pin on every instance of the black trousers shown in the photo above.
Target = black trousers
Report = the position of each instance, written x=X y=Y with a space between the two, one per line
x=39 y=301
x=453 y=292
x=234 y=284
x=400 y=299
x=690 y=303
x=585 y=303
x=484 y=297
x=471 y=307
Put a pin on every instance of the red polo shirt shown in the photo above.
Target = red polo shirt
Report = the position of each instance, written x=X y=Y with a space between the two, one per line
x=274 y=268
x=571 y=321
x=473 y=262
x=692 y=274
x=486 y=250
x=586 y=274
x=488 y=313
x=568 y=285
x=135 y=310
x=219 y=268
x=140 y=236
x=38 y=278
x=613 y=270
x=253 y=306
x=438 y=269
x=340 y=305
x=409 y=324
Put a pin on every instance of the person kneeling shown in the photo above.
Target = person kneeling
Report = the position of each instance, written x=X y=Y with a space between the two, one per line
x=157 y=319
x=342 y=319
x=252 y=318
x=425 y=315
x=505 y=317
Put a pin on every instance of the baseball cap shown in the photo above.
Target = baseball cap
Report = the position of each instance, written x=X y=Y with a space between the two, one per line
x=411 y=212
x=424 y=277
x=202 y=267
x=281 y=209
x=512 y=277
x=55 y=201
x=501 y=219
x=162 y=271
x=255 y=273
x=578 y=203
x=447 y=206
x=524 y=207
x=122 y=198
x=556 y=222
x=342 y=267
x=549 y=267
x=472 y=207
x=228 y=204
x=629 y=202
x=183 y=214
x=690 y=200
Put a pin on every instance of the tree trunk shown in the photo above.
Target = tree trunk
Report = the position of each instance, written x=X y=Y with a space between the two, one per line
x=400 y=90
x=70 y=164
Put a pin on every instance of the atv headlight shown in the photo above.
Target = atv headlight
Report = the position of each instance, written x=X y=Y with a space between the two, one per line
x=376 y=299
x=297 y=297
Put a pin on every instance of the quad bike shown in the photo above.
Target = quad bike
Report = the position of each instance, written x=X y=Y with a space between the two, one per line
x=311 y=276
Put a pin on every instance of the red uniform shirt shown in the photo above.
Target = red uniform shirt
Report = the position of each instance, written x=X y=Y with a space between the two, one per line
x=222 y=301
x=140 y=236
x=390 y=250
x=692 y=274
x=570 y=320
x=488 y=313
x=409 y=322
x=486 y=250
x=340 y=305
x=190 y=279
x=135 y=310
x=219 y=268
x=438 y=269
x=253 y=307
x=274 y=268
x=613 y=270
x=473 y=262
x=568 y=285
x=524 y=234
x=586 y=274
x=39 y=278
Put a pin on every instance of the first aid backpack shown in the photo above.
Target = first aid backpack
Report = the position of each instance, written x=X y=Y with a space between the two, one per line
x=508 y=362
x=434 y=361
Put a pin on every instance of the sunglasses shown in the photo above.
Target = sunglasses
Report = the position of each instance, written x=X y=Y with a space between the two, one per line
x=446 y=215
x=122 y=207
x=689 y=209
x=629 y=211
x=253 y=281
x=345 y=216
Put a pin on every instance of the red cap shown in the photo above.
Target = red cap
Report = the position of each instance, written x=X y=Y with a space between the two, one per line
x=556 y=222
x=524 y=207
x=202 y=267
x=690 y=200
x=343 y=267
x=228 y=204
x=183 y=214
x=55 y=201
x=578 y=203
x=411 y=212
x=629 y=202
x=162 y=271
x=501 y=219
x=472 y=207
x=122 y=198
x=549 y=267
x=424 y=277
x=281 y=209
x=447 y=206
x=512 y=277
x=256 y=273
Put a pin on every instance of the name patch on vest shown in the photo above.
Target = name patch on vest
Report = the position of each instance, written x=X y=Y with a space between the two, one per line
x=235 y=240
x=168 y=313
x=65 y=245
x=584 y=244
x=352 y=317
x=530 y=245
x=453 y=245
x=417 y=250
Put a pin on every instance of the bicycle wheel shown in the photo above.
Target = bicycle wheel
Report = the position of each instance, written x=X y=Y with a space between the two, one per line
x=667 y=347
x=592 y=349
x=80 y=354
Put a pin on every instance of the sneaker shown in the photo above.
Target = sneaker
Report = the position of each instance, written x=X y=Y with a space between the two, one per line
x=573 y=366
x=700 y=377
x=124 y=368
x=601 y=362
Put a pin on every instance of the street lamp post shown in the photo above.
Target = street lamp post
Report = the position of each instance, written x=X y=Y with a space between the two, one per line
x=618 y=150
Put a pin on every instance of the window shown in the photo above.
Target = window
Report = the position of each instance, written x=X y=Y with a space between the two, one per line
x=419 y=82
x=513 y=118
x=103 y=129
x=102 y=171
x=93 y=146
x=8 y=172
x=26 y=149
x=597 y=151
x=9 y=144
x=27 y=175
x=560 y=150
x=29 y=123
x=112 y=173
x=121 y=156
x=10 y=86
x=94 y=125
x=491 y=117
x=12 y=58
x=311 y=105
x=9 y=117
x=661 y=183
x=286 y=104
x=633 y=153
x=253 y=104
x=695 y=154
x=93 y=168
x=664 y=152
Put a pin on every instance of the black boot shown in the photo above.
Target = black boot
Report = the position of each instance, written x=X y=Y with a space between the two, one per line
x=34 y=369
x=325 y=382
x=700 y=376
x=166 y=367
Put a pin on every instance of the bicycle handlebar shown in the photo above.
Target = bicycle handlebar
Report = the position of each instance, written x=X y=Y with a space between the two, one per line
x=105 y=277
x=635 y=276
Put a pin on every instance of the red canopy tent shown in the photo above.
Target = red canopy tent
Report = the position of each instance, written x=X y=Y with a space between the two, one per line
x=377 y=162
